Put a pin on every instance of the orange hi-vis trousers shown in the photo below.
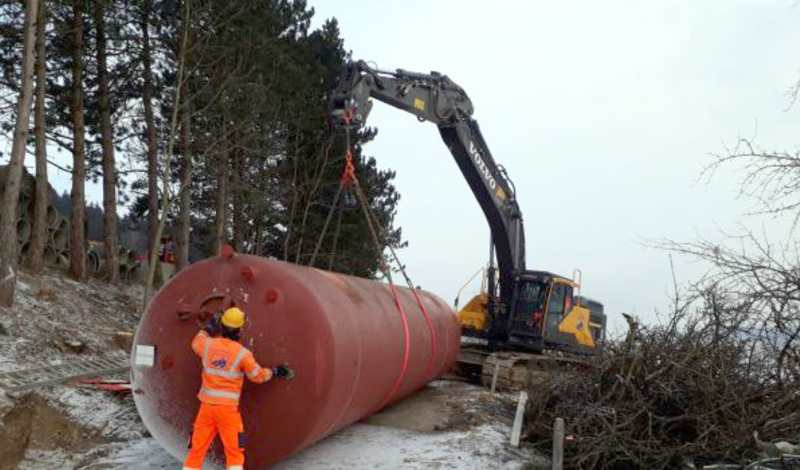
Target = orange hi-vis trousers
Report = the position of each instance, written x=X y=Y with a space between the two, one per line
x=213 y=419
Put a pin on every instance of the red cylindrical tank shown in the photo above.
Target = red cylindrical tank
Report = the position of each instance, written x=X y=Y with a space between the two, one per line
x=344 y=336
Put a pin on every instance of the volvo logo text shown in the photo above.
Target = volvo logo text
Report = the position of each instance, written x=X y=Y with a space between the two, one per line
x=482 y=168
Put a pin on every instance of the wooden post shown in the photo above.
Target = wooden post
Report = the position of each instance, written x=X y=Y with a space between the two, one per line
x=516 y=430
x=494 y=376
x=558 y=444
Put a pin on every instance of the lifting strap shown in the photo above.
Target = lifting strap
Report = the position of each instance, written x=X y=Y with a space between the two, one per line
x=350 y=180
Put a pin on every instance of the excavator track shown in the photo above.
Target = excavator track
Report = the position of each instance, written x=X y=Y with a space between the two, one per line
x=512 y=371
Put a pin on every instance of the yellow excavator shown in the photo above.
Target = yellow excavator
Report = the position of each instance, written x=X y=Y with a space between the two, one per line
x=523 y=319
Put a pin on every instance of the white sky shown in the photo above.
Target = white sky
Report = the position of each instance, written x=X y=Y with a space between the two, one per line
x=604 y=114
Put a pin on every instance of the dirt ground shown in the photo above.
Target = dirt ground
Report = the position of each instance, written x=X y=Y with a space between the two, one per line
x=446 y=425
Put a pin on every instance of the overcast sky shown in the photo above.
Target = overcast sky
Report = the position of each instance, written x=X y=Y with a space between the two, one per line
x=604 y=114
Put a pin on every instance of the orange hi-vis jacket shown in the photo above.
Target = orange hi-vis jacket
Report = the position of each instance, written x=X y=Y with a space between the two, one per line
x=225 y=362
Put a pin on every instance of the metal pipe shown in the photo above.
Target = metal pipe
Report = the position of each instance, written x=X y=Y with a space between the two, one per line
x=343 y=335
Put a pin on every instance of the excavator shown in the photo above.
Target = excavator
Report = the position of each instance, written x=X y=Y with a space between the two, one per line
x=526 y=320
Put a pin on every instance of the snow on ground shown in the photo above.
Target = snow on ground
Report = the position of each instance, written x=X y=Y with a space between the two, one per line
x=447 y=425
x=364 y=447
x=52 y=308
x=113 y=417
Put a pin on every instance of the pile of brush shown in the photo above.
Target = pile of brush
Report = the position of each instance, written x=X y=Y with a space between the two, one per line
x=690 y=391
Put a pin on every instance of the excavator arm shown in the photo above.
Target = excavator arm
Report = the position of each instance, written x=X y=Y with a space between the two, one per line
x=434 y=97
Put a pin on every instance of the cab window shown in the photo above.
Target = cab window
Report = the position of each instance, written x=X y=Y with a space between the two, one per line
x=560 y=300
x=556 y=306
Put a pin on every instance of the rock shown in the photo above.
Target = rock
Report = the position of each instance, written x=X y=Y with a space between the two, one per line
x=45 y=295
x=124 y=340
x=3 y=330
x=74 y=345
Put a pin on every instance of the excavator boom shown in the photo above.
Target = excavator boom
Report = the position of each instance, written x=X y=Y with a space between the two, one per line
x=434 y=97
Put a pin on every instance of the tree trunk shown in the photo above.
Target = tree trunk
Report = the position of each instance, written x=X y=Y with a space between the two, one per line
x=257 y=235
x=106 y=139
x=182 y=239
x=8 y=222
x=151 y=138
x=148 y=286
x=290 y=220
x=38 y=237
x=238 y=207
x=77 y=233
x=222 y=202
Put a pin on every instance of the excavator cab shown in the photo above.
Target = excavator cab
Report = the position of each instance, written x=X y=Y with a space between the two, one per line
x=547 y=314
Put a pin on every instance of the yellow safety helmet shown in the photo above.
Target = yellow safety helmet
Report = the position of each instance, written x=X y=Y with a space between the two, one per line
x=233 y=318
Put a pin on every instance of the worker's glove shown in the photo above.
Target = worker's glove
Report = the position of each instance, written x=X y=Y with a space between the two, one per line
x=212 y=327
x=283 y=371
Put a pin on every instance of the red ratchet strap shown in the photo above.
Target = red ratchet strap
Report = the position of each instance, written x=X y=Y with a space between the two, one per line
x=406 y=346
x=430 y=328
x=349 y=178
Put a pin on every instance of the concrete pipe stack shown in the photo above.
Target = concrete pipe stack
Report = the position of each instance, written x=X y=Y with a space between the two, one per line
x=57 y=238
x=95 y=260
x=50 y=257
x=127 y=264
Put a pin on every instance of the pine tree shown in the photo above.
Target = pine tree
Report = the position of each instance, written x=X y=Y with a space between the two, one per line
x=13 y=174
x=39 y=233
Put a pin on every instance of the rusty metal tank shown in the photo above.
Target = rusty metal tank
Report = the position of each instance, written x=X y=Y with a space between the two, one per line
x=345 y=337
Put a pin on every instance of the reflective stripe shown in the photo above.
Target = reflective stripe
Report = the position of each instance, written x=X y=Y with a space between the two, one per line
x=223 y=373
x=206 y=348
x=235 y=467
x=255 y=372
x=217 y=393
x=192 y=468
x=239 y=357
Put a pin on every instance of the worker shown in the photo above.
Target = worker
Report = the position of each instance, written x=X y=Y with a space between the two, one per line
x=225 y=363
